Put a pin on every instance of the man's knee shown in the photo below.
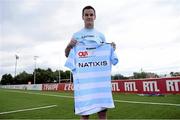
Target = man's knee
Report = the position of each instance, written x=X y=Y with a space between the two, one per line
x=102 y=114
x=103 y=111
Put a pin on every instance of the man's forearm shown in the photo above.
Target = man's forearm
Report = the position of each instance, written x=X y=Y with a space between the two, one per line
x=71 y=44
x=67 y=50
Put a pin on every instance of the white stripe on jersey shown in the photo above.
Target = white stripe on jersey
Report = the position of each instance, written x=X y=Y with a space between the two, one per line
x=94 y=85
x=92 y=74
x=93 y=96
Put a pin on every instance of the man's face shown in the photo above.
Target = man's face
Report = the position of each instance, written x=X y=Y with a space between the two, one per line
x=89 y=17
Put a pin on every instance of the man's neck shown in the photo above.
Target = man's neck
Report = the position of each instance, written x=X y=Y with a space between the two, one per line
x=89 y=27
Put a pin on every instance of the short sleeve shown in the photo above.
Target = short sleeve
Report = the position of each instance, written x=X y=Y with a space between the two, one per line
x=114 y=58
x=103 y=39
x=70 y=62
x=76 y=36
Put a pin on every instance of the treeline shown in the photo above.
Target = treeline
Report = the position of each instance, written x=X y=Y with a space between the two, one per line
x=39 y=76
x=43 y=76
x=48 y=76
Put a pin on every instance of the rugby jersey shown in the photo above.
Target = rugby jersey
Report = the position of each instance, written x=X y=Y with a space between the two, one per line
x=89 y=36
x=91 y=68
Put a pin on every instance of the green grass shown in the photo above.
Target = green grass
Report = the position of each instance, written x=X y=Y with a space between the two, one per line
x=11 y=100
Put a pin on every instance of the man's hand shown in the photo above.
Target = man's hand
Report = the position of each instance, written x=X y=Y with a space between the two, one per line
x=71 y=44
x=113 y=45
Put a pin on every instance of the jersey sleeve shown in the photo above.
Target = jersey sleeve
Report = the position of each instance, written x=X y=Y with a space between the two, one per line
x=102 y=37
x=76 y=36
x=114 y=58
x=70 y=62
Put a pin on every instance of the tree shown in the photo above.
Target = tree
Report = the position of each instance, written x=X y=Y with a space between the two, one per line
x=7 y=79
x=23 y=78
x=56 y=75
x=44 y=76
x=174 y=74
x=139 y=75
x=142 y=74
x=118 y=77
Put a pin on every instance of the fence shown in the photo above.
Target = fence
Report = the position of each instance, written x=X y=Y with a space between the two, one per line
x=140 y=86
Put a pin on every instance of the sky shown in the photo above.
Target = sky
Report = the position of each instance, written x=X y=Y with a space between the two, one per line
x=146 y=33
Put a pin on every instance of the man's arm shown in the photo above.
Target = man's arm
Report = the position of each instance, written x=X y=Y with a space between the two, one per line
x=113 y=45
x=71 y=44
x=67 y=50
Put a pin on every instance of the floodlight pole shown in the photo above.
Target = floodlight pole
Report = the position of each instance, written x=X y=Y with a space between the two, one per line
x=59 y=75
x=17 y=57
x=59 y=69
x=35 y=58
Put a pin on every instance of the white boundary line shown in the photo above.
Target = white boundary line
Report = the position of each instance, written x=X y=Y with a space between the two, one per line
x=133 y=102
x=136 y=102
x=37 y=108
x=40 y=94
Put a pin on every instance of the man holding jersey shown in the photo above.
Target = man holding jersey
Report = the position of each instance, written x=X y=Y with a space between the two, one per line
x=89 y=36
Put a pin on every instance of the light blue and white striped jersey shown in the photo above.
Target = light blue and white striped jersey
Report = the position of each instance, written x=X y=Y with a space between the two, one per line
x=91 y=67
x=88 y=36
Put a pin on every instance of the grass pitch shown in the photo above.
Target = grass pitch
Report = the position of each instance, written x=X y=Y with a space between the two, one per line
x=19 y=104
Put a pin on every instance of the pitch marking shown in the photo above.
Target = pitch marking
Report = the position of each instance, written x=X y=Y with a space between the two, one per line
x=37 y=108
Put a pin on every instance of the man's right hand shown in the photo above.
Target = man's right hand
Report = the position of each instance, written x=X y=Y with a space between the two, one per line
x=71 y=44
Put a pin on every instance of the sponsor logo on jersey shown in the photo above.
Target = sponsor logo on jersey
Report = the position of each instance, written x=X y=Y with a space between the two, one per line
x=93 y=64
x=83 y=54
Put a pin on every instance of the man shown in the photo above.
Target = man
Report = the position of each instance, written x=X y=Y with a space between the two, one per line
x=88 y=35
x=88 y=15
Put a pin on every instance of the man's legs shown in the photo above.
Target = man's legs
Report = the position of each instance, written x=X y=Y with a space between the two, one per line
x=102 y=114
x=84 y=117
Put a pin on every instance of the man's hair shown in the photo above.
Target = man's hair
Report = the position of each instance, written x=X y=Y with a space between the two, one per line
x=88 y=7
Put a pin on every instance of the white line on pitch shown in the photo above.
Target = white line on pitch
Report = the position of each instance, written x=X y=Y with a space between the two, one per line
x=40 y=94
x=152 y=103
x=37 y=108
